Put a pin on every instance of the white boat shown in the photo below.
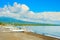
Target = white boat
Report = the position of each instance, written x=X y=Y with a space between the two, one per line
x=14 y=29
x=17 y=30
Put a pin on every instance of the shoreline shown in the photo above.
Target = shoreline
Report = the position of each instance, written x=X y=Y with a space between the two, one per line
x=27 y=33
x=24 y=35
x=42 y=36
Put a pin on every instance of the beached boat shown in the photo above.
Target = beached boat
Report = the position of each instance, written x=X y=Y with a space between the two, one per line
x=14 y=29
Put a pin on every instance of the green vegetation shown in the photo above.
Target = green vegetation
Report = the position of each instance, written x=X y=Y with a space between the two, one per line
x=36 y=25
x=1 y=23
x=19 y=24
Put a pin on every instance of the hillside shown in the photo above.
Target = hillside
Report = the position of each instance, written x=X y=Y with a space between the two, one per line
x=7 y=20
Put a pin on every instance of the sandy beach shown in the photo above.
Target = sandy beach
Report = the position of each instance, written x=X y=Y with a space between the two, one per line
x=23 y=36
x=17 y=36
x=6 y=34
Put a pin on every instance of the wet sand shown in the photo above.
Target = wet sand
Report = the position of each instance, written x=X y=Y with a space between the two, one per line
x=42 y=36
x=23 y=36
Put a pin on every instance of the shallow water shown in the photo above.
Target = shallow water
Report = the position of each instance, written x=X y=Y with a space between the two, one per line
x=45 y=30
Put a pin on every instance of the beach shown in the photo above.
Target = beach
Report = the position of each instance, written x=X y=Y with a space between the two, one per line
x=23 y=36
x=7 y=34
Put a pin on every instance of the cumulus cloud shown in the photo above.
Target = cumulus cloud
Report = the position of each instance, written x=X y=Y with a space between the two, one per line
x=22 y=12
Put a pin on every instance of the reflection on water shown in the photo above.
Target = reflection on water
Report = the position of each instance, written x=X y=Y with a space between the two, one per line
x=46 y=30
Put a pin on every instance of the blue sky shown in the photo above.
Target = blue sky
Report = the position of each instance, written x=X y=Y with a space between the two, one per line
x=36 y=5
x=41 y=11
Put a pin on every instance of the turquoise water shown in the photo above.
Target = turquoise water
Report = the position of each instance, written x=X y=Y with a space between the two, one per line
x=45 y=30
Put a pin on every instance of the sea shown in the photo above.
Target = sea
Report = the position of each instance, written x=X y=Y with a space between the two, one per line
x=52 y=31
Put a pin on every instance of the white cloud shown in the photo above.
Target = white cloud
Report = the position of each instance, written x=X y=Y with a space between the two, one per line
x=54 y=16
x=21 y=12
x=24 y=7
